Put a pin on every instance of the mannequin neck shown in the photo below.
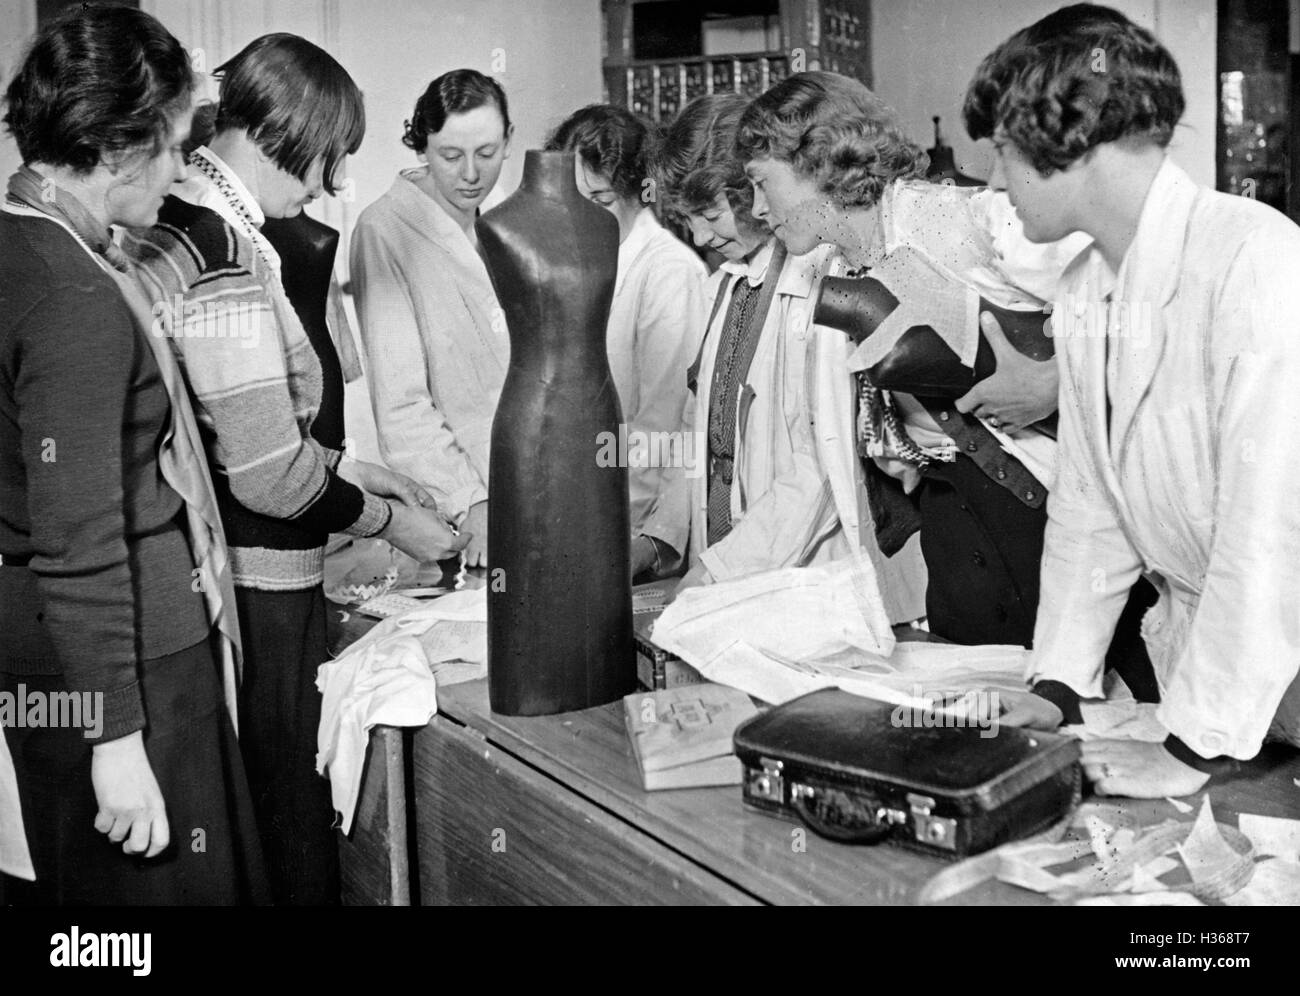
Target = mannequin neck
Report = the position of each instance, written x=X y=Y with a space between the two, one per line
x=549 y=174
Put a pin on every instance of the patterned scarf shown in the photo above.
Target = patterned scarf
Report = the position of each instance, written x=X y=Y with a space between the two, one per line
x=35 y=191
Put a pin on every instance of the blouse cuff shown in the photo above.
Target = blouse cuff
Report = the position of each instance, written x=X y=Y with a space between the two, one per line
x=1063 y=697
x=1212 y=766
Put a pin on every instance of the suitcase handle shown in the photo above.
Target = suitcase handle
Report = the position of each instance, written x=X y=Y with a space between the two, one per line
x=838 y=816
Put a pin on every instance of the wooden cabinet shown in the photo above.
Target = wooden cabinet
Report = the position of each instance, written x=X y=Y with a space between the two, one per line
x=811 y=34
x=495 y=830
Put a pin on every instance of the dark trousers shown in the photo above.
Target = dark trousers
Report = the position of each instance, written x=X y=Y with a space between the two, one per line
x=983 y=550
x=214 y=857
x=279 y=713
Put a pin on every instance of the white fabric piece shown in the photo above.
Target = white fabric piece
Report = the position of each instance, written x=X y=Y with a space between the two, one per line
x=1272 y=835
x=15 y=858
x=784 y=633
x=926 y=296
x=1276 y=882
x=390 y=677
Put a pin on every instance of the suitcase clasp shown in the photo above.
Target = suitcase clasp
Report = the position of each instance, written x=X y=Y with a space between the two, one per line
x=937 y=831
x=769 y=783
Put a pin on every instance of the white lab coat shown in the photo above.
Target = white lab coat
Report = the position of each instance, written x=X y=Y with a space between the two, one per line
x=655 y=322
x=797 y=495
x=435 y=342
x=1196 y=479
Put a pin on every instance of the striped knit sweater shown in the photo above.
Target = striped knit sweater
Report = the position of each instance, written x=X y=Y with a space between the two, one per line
x=256 y=382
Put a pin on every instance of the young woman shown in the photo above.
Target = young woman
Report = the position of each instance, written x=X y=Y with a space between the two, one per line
x=288 y=115
x=1176 y=455
x=434 y=337
x=829 y=165
x=658 y=311
x=770 y=492
x=115 y=583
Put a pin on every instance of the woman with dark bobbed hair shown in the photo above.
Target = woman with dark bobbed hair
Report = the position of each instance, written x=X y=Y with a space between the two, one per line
x=1179 y=358
x=434 y=336
x=288 y=115
x=115 y=581
x=656 y=318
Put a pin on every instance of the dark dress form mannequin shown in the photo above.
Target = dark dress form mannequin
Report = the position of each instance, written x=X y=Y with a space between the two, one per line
x=559 y=591
x=307 y=249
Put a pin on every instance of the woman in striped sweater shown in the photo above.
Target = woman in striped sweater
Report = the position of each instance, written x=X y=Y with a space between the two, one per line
x=288 y=115
x=114 y=587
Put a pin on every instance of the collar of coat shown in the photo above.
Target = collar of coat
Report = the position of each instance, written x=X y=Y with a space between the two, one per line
x=1154 y=260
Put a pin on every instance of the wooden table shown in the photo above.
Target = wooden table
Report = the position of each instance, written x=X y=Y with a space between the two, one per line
x=549 y=810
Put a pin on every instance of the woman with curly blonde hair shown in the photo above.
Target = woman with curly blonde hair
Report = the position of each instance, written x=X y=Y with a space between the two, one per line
x=769 y=402
x=829 y=164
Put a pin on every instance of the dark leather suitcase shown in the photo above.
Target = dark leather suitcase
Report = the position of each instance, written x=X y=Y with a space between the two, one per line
x=844 y=766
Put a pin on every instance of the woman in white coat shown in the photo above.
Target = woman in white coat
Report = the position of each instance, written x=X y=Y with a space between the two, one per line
x=657 y=313
x=776 y=481
x=1179 y=358
x=435 y=339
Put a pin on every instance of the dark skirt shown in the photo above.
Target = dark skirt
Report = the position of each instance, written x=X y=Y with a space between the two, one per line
x=214 y=857
x=279 y=713
x=983 y=551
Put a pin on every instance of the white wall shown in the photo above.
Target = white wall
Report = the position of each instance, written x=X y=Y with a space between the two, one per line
x=924 y=53
x=546 y=53
x=17 y=22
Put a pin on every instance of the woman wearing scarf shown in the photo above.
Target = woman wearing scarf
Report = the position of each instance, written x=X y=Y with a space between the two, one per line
x=829 y=165
x=115 y=581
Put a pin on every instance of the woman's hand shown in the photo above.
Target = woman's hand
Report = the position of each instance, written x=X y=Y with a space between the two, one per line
x=1139 y=770
x=475 y=527
x=384 y=483
x=421 y=533
x=1028 y=710
x=131 y=809
x=697 y=575
x=1019 y=392
x=644 y=554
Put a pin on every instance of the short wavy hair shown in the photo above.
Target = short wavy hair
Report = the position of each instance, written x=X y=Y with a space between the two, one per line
x=455 y=92
x=296 y=103
x=833 y=129
x=696 y=163
x=612 y=142
x=1079 y=77
x=97 y=84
